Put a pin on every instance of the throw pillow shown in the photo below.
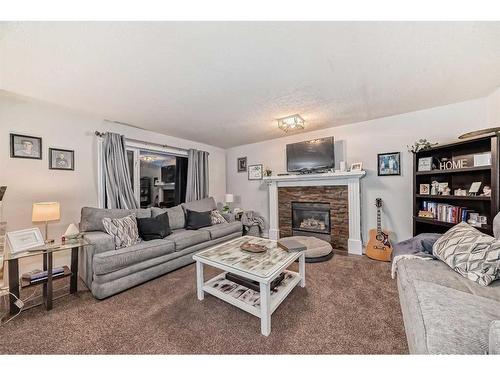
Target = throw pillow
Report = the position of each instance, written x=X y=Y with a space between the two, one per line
x=196 y=220
x=124 y=230
x=217 y=217
x=154 y=228
x=469 y=252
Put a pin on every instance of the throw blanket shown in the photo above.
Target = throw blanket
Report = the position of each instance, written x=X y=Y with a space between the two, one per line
x=418 y=247
x=250 y=219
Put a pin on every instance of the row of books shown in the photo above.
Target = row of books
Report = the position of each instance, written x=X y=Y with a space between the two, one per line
x=37 y=275
x=446 y=212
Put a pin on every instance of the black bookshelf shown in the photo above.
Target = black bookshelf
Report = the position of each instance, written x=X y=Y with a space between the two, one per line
x=458 y=178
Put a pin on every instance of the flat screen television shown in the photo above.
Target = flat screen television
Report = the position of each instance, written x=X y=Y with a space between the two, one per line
x=313 y=155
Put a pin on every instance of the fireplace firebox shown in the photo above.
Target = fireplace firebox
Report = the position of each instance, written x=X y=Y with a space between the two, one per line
x=311 y=219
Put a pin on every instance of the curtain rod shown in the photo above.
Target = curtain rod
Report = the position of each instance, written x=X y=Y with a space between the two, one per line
x=101 y=134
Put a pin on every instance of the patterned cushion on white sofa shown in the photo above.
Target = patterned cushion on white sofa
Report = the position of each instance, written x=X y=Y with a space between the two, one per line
x=469 y=252
x=123 y=230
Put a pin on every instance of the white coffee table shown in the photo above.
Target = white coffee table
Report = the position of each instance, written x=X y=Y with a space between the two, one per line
x=263 y=268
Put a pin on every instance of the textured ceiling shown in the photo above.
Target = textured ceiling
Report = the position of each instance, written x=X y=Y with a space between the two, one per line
x=226 y=83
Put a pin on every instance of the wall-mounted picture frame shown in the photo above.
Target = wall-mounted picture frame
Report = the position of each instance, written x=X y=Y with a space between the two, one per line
x=25 y=146
x=25 y=239
x=389 y=164
x=242 y=164
x=255 y=172
x=61 y=159
x=356 y=166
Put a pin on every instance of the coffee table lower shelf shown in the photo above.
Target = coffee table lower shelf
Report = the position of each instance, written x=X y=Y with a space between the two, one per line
x=290 y=282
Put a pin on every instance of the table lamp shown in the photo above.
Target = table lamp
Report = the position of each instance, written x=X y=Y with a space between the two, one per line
x=46 y=211
x=229 y=198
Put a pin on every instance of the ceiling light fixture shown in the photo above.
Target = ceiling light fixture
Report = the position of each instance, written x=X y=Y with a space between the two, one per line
x=292 y=122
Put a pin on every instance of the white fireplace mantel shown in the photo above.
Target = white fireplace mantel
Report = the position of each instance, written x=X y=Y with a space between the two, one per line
x=349 y=179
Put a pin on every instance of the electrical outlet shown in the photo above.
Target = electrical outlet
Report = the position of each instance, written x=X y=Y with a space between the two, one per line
x=19 y=303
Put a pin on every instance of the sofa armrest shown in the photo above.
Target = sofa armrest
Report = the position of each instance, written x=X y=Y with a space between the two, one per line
x=494 y=337
x=101 y=242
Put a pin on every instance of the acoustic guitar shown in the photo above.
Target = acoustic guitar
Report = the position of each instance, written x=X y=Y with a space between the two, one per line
x=379 y=247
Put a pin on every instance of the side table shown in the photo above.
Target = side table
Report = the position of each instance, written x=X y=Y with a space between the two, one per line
x=47 y=252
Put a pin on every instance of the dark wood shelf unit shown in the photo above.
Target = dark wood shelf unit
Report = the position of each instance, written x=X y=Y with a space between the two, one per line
x=26 y=284
x=448 y=171
x=458 y=178
x=429 y=197
x=424 y=220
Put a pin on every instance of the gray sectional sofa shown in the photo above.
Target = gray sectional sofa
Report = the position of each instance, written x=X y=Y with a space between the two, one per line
x=443 y=312
x=107 y=271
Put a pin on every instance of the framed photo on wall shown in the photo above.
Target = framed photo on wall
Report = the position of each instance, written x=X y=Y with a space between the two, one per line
x=61 y=159
x=242 y=164
x=389 y=164
x=25 y=146
x=255 y=172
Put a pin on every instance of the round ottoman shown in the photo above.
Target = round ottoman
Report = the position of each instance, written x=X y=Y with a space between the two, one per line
x=317 y=250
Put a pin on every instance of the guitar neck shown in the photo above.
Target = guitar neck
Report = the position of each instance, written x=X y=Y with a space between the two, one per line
x=379 y=221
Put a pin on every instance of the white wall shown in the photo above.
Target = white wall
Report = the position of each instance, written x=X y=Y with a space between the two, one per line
x=494 y=109
x=31 y=181
x=361 y=142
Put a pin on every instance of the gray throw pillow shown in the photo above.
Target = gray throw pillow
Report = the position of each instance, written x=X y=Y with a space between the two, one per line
x=124 y=230
x=217 y=218
x=469 y=252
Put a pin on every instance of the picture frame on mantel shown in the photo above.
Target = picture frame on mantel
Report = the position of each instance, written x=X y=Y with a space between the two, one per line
x=255 y=172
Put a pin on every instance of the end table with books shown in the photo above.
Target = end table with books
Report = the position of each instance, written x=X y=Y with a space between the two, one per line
x=46 y=251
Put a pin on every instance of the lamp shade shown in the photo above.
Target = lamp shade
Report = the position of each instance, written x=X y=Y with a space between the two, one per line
x=229 y=198
x=45 y=211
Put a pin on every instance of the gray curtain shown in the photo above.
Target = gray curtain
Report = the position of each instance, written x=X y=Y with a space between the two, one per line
x=197 y=175
x=117 y=185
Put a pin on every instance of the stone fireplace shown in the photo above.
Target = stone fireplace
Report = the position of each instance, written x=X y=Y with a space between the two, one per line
x=311 y=219
x=319 y=211
x=324 y=204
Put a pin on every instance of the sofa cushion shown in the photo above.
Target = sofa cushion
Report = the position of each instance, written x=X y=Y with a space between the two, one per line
x=202 y=205
x=176 y=218
x=472 y=254
x=437 y=272
x=154 y=228
x=185 y=238
x=123 y=230
x=91 y=218
x=111 y=261
x=196 y=220
x=221 y=230
x=455 y=322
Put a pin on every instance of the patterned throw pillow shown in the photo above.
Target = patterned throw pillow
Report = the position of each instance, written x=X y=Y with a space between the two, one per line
x=217 y=218
x=472 y=254
x=124 y=230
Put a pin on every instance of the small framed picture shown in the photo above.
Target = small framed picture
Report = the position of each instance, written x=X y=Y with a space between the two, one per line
x=255 y=172
x=425 y=189
x=61 y=159
x=425 y=164
x=25 y=146
x=22 y=240
x=242 y=164
x=389 y=164
x=356 y=166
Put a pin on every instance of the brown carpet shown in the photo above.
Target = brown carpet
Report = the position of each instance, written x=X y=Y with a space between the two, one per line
x=350 y=306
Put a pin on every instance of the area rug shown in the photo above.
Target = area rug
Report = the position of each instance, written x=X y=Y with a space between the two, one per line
x=350 y=306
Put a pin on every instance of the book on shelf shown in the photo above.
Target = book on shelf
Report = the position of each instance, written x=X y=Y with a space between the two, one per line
x=37 y=275
x=445 y=212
